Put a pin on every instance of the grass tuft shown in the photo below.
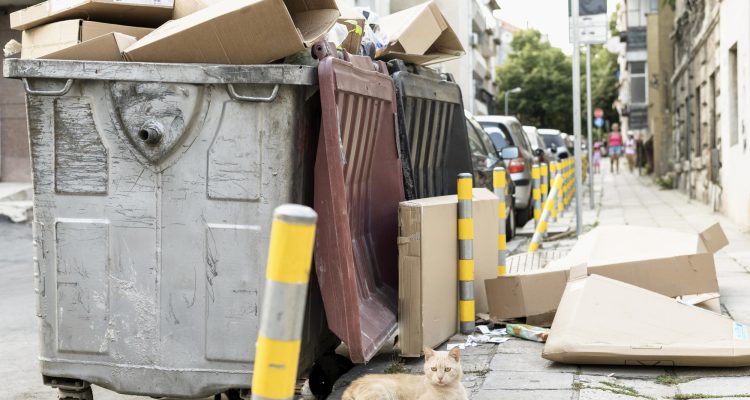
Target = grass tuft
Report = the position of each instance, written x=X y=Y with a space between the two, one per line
x=672 y=380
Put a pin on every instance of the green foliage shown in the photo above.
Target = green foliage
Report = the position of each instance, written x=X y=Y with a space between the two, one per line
x=672 y=380
x=670 y=3
x=545 y=75
x=613 y=22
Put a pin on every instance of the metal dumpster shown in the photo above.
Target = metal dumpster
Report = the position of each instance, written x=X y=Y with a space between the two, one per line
x=154 y=186
x=434 y=145
x=358 y=186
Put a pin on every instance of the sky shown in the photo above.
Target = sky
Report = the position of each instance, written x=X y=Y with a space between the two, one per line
x=548 y=16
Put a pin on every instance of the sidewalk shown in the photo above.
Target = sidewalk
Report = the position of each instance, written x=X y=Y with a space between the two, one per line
x=515 y=369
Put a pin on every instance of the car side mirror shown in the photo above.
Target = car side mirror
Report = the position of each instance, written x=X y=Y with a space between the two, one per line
x=553 y=148
x=538 y=152
x=509 y=153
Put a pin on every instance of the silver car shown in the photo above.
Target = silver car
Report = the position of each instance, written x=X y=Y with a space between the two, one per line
x=508 y=132
x=555 y=142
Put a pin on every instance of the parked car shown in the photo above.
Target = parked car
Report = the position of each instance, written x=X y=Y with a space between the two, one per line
x=544 y=155
x=485 y=157
x=508 y=132
x=553 y=139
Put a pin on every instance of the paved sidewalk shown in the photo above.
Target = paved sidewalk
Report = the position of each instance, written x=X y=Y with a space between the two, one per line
x=515 y=369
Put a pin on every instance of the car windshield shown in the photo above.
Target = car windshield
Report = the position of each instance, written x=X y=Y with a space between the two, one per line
x=552 y=139
x=499 y=136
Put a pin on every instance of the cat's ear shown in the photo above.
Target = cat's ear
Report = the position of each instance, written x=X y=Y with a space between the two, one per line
x=428 y=352
x=455 y=353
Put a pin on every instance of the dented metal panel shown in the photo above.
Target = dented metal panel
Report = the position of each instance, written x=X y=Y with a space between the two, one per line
x=153 y=201
x=434 y=143
x=358 y=186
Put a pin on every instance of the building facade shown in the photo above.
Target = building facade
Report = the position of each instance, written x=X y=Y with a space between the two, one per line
x=696 y=96
x=660 y=66
x=15 y=162
x=733 y=55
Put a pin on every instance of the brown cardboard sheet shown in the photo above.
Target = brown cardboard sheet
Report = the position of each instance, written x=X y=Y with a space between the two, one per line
x=146 y=13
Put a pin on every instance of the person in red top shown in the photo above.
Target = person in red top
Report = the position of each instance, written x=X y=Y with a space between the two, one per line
x=615 y=148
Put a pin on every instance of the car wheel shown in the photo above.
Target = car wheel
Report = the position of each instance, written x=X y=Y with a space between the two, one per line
x=510 y=223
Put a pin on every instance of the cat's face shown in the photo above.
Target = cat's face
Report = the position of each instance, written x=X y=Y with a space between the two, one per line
x=442 y=368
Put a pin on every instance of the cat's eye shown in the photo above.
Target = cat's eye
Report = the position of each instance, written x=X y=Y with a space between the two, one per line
x=434 y=368
x=447 y=369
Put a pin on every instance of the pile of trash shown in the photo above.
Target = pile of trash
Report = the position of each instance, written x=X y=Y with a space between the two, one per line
x=237 y=32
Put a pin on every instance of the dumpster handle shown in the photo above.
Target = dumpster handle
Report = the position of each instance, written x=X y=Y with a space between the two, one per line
x=233 y=94
x=60 y=92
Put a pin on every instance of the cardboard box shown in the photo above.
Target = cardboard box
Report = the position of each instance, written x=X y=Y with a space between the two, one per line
x=238 y=32
x=428 y=266
x=183 y=8
x=147 y=13
x=668 y=262
x=420 y=35
x=107 y=47
x=48 y=39
x=604 y=321
x=354 y=21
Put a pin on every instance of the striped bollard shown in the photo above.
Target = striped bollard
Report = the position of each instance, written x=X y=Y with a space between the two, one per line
x=562 y=171
x=536 y=240
x=552 y=175
x=499 y=183
x=283 y=309
x=466 y=308
x=544 y=170
x=536 y=193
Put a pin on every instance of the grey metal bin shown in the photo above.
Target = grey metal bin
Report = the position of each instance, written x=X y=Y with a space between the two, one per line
x=154 y=186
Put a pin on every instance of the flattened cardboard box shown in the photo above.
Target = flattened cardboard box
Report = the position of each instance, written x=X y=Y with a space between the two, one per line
x=604 y=321
x=668 y=262
x=146 y=13
x=107 y=47
x=420 y=35
x=238 y=32
x=428 y=270
x=43 y=41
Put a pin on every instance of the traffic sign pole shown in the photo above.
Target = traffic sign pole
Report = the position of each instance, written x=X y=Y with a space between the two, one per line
x=588 y=126
x=577 y=115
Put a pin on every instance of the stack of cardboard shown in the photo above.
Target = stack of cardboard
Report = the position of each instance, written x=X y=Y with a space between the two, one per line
x=221 y=31
x=605 y=321
x=428 y=273
x=668 y=262
x=86 y=29
x=186 y=31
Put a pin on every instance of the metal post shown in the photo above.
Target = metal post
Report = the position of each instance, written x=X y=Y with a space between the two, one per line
x=541 y=229
x=536 y=193
x=499 y=183
x=589 y=126
x=465 y=254
x=577 y=115
x=506 y=102
x=283 y=308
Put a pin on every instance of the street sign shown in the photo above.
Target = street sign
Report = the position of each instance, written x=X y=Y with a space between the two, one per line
x=598 y=113
x=592 y=22
x=599 y=122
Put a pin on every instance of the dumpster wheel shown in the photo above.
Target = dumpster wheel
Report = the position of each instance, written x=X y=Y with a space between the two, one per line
x=85 y=394
x=326 y=371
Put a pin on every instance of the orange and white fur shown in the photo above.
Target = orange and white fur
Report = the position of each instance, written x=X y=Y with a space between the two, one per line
x=441 y=381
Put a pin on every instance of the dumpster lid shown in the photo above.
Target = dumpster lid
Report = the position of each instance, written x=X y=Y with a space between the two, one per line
x=285 y=74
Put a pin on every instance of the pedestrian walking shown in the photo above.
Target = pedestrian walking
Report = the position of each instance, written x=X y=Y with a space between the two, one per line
x=597 y=157
x=630 y=151
x=615 y=148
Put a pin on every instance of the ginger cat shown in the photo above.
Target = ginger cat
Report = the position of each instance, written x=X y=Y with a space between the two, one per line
x=441 y=381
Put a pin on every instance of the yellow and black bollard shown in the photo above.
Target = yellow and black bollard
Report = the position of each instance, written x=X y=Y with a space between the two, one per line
x=552 y=175
x=541 y=229
x=536 y=193
x=282 y=313
x=500 y=184
x=544 y=170
x=466 y=309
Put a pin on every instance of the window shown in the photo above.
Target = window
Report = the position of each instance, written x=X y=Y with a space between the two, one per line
x=637 y=82
x=733 y=97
